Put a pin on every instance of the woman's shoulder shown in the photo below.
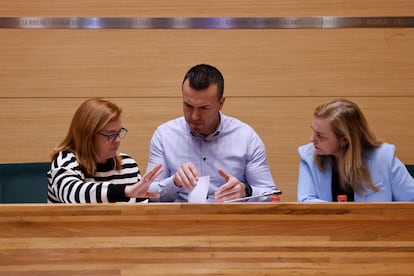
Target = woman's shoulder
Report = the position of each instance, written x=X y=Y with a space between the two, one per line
x=65 y=159
x=306 y=151
x=126 y=158
x=385 y=149
x=382 y=153
x=65 y=156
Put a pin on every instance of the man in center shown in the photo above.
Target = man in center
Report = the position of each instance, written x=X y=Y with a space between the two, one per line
x=206 y=142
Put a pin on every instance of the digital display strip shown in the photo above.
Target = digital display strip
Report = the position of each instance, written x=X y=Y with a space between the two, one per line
x=321 y=22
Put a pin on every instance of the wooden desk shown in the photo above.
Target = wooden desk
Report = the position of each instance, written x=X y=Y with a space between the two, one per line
x=207 y=239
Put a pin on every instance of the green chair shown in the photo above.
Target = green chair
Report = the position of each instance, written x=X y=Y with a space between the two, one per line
x=23 y=182
x=410 y=169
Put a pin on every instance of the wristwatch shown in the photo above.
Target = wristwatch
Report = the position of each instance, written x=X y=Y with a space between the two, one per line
x=247 y=189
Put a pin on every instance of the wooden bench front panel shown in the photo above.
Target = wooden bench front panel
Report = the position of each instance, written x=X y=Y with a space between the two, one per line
x=207 y=239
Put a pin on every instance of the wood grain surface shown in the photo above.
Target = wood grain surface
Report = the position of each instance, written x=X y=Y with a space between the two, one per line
x=207 y=239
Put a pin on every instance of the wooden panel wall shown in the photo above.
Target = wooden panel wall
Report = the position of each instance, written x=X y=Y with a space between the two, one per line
x=274 y=78
x=207 y=239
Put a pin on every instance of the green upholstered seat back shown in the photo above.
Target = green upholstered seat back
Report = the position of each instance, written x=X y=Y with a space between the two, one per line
x=410 y=168
x=23 y=182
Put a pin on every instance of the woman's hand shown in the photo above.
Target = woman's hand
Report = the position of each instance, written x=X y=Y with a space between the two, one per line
x=140 y=189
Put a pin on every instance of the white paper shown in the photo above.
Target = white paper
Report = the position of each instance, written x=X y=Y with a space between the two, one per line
x=200 y=191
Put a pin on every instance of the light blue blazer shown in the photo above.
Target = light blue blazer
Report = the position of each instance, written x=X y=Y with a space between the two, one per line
x=387 y=172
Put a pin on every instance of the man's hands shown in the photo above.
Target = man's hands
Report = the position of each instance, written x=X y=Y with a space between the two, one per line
x=140 y=189
x=187 y=177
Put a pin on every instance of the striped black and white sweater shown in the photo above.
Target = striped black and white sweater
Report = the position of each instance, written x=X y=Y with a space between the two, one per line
x=69 y=184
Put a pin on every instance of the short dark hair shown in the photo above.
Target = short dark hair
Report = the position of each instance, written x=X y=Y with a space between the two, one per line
x=202 y=76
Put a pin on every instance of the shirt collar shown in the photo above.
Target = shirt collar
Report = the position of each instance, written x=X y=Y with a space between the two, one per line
x=214 y=134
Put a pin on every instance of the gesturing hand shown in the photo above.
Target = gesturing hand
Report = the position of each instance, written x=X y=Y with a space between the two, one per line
x=140 y=189
x=232 y=189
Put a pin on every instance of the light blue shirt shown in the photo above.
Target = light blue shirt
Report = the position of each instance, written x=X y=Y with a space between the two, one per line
x=234 y=147
x=387 y=172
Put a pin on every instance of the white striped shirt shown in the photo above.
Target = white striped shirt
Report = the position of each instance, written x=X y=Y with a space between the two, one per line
x=69 y=184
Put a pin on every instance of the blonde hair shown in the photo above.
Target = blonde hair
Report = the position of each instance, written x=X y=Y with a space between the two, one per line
x=347 y=121
x=90 y=118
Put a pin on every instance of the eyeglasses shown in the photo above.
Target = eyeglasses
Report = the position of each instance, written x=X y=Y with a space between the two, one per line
x=113 y=135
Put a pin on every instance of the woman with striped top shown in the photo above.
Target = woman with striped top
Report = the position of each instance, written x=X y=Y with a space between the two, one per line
x=86 y=166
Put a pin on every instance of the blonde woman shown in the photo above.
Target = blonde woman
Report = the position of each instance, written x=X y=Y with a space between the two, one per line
x=86 y=166
x=345 y=158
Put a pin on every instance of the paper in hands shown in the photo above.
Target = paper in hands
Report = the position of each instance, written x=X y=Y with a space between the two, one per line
x=200 y=191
